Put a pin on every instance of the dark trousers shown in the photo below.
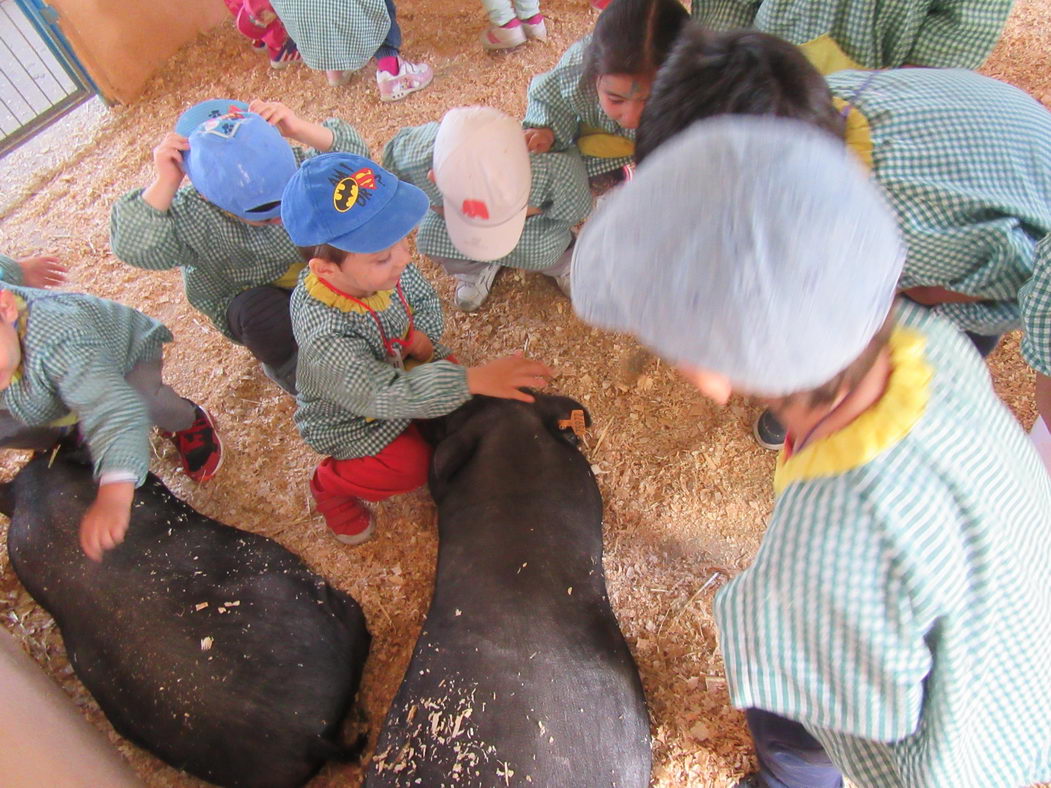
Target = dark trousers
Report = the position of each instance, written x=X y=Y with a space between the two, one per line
x=259 y=319
x=392 y=43
x=789 y=757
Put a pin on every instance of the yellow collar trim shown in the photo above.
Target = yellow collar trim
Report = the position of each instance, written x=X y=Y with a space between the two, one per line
x=879 y=428
x=325 y=293
x=858 y=133
x=20 y=326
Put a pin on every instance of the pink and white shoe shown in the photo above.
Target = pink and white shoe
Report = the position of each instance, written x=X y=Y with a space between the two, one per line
x=534 y=28
x=506 y=36
x=410 y=78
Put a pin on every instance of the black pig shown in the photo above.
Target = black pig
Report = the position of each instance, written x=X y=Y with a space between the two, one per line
x=213 y=648
x=521 y=675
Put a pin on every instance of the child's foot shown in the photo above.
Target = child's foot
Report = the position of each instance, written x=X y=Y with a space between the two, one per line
x=506 y=36
x=280 y=60
x=398 y=79
x=473 y=289
x=349 y=520
x=535 y=28
x=199 y=447
x=768 y=431
x=338 y=77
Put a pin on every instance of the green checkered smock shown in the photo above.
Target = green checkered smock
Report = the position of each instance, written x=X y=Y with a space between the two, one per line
x=886 y=34
x=352 y=401
x=76 y=350
x=335 y=34
x=900 y=609
x=559 y=101
x=966 y=162
x=559 y=190
x=220 y=255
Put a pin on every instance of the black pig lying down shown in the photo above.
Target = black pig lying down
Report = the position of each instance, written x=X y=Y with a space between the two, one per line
x=521 y=675
x=213 y=648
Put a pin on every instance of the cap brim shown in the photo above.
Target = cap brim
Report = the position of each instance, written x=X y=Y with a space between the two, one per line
x=396 y=219
x=199 y=113
x=487 y=242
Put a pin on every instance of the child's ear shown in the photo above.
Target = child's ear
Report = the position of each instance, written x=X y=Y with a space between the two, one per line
x=321 y=267
x=8 y=306
x=430 y=176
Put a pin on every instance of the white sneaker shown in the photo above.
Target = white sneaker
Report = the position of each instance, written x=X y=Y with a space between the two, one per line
x=503 y=37
x=473 y=289
x=537 y=32
x=410 y=78
x=562 y=280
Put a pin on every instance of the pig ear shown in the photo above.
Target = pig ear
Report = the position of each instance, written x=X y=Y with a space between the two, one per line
x=7 y=499
x=449 y=457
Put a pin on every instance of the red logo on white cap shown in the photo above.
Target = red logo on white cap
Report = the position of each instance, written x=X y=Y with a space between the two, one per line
x=476 y=209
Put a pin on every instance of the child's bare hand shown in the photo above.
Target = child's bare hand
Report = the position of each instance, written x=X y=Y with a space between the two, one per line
x=167 y=159
x=539 y=140
x=106 y=520
x=42 y=271
x=279 y=116
x=420 y=346
x=505 y=376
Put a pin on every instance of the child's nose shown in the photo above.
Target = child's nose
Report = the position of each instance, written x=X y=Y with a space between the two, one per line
x=632 y=114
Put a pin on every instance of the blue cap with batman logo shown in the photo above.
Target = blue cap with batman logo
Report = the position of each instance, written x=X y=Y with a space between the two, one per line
x=351 y=203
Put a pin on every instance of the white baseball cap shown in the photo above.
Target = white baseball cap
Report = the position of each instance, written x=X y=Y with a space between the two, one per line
x=481 y=167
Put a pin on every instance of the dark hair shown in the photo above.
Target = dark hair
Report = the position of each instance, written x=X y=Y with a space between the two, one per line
x=633 y=37
x=322 y=251
x=739 y=72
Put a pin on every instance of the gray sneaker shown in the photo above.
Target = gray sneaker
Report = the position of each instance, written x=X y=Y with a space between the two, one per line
x=473 y=289
x=768 y=431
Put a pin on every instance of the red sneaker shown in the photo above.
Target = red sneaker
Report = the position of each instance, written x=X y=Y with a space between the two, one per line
x=199 y=446
x=600 y=5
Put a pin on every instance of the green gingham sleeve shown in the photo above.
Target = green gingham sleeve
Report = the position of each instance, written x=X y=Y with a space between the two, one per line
x=1035 y=301
x=551 y=97
x=724 y=14
x=144 y=237
x=960 y=33
x=567 y=197
x=981 y=317
x=10 y=271
x=113 y=418
x=426 y=308
x=410 y=155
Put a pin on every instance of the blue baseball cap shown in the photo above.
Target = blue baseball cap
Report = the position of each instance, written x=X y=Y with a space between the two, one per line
x=351 y=203
x=240 y=163
x=206 y=110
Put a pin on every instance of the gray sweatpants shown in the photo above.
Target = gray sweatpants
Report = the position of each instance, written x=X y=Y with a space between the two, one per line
x=455 y=266
x=167 y=409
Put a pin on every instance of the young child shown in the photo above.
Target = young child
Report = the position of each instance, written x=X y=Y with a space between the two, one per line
x=71 y=358
x=948 y=34
x=513 y=23
x=594 y=96
x=256 y=20
x=492 y=204
x=965 y=161
x=886 y=631
x=224 y=230
x=339 y=38
x=369 y=328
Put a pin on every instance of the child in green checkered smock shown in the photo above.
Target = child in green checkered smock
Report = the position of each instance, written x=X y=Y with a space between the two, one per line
x=369 y=328
x=965 y=161
x=886 y=34
x=340 y=36
x=238 y=271
x=480 y=156
x=74 y=359
x=891 y=629
x=594 y=96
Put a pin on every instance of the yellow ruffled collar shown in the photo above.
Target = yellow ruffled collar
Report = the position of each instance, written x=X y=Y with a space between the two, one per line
x=20 y=327
x=858 y=132
x=879 y=428
x=325 y=293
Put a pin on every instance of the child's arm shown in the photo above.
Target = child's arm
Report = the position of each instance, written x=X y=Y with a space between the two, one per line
x=549 y=110
x=332 y=135
x=566 y=196
x=41 y=271
x=959 y=33
x=106 y=520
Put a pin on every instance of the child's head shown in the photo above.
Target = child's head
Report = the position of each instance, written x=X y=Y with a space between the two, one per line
x=240 y=163
x=481 y=167
x=738 y=72
x=631 y=40
x=755 y=254
x=350 y=218
x=10 y=346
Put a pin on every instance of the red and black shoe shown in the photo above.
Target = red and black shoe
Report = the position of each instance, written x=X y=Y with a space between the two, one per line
x=199 y=447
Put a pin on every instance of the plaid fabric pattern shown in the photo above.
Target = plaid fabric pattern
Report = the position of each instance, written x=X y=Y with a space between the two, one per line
x=942 y=33
x=352 y=401
x=558 y=101
x=966 y=163
x=559 y=190
x=900 y=610
x=76 y=350
x=220 y=255
x=335 y=34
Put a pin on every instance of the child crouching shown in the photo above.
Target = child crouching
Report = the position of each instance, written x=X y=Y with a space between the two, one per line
x=366 y=322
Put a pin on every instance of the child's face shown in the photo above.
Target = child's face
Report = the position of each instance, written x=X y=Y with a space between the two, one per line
x=10 y=346
x=361 y=275
x=623 y=97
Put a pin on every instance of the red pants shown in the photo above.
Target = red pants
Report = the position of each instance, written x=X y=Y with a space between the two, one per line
x=399 y=468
